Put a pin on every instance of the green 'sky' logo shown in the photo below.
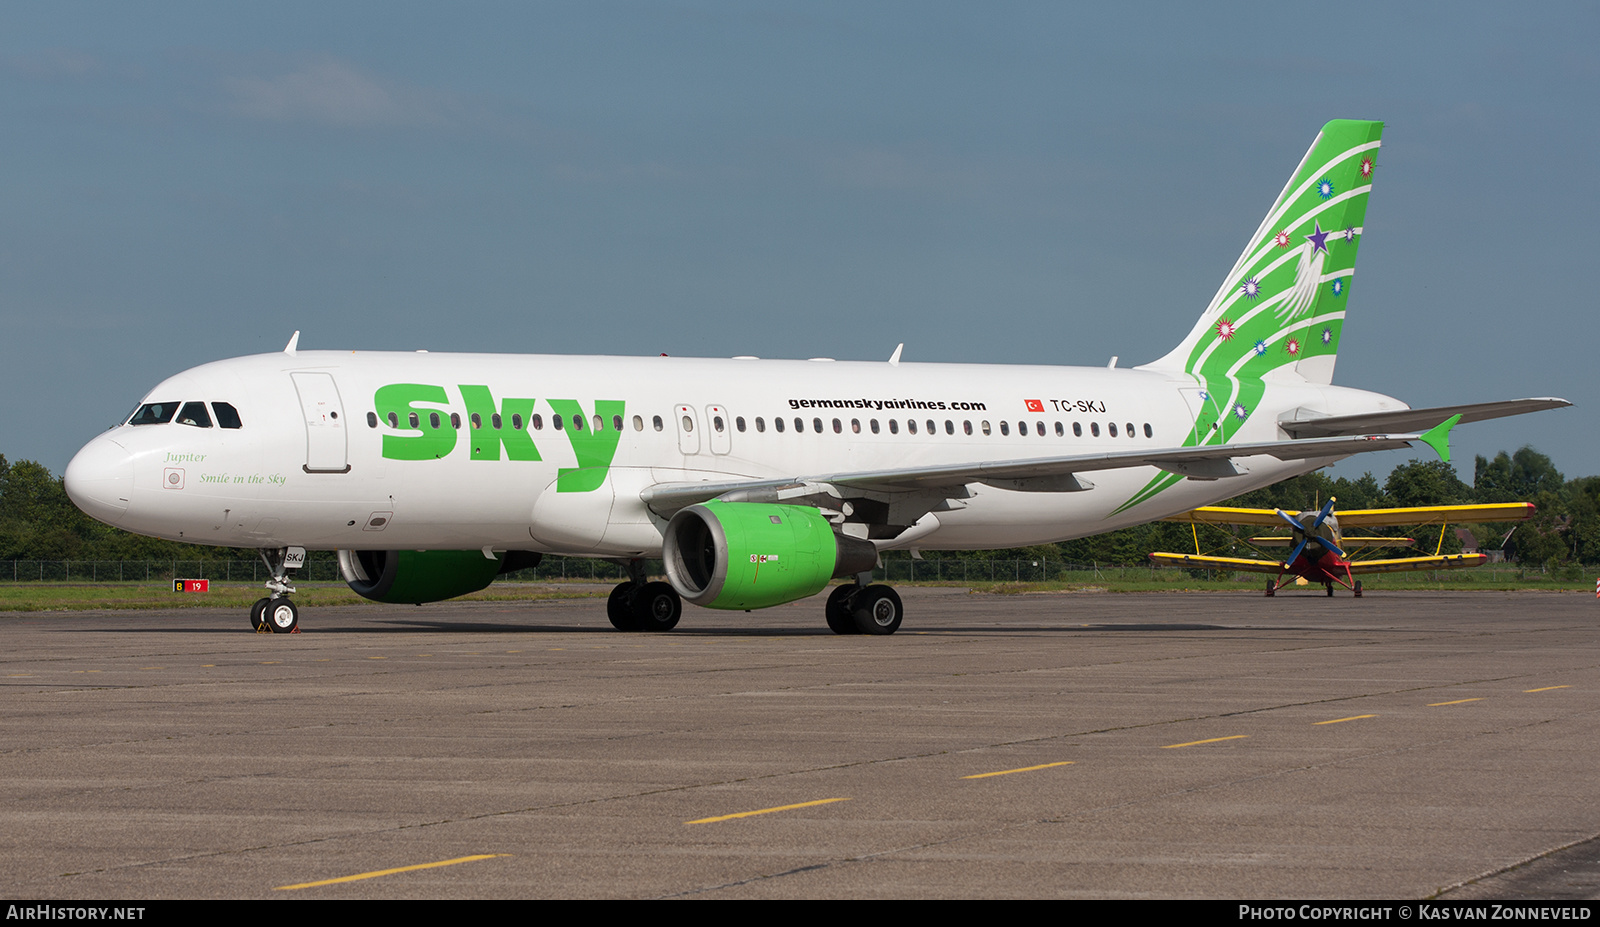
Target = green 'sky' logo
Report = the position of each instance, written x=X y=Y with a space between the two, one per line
x=430 y=430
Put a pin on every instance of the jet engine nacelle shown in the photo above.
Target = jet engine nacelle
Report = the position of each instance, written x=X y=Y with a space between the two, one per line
x=746 y=555
x=412 y=577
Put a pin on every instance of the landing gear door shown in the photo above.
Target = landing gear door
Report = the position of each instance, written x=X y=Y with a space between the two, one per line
x=326 y=450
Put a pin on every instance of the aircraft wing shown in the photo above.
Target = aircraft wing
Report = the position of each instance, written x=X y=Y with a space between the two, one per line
x=1328 y=426
x=1435 y=514
x=1035 y=474
x=1204 y=562
x=1357 y=567
x=1407 y=564
x=1366 y=518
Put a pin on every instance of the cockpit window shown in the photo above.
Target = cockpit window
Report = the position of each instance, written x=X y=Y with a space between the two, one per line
x=228 y=416
x=194 y=413
x=154 y=413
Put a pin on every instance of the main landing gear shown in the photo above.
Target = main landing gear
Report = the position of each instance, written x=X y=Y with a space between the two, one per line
x=859 y=609
x=276 y=615
x=637 y=605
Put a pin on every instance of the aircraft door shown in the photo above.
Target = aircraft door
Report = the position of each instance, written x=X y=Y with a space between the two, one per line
x=720 y=429
x=688 y=429
x=326 y=450
x=1202 y=412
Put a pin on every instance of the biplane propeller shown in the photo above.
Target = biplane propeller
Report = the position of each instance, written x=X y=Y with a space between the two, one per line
x=1319 y=545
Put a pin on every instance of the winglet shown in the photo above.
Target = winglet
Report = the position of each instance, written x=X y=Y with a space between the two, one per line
x=1438 y=437
x=894 y=359
x=294 y=341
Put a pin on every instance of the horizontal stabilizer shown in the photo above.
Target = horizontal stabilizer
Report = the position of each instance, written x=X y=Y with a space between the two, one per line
x=1413 y=419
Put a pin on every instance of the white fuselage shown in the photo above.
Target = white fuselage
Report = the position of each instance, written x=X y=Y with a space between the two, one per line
x=308 y=464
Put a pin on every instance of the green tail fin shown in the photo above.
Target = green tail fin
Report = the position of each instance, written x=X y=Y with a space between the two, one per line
x=1280 y=310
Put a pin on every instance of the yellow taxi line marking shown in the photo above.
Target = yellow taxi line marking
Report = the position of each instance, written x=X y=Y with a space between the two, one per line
x=1194 y=743
x=1546 y=689
x=1459 y=701
x=1351 y=718
x=749 y=814
x=1007 y=772
x=383 y=872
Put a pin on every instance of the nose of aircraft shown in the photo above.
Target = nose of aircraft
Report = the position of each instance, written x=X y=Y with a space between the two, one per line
x=99 y=479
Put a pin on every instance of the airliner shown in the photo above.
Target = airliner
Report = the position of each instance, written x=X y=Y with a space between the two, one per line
x=758 y=482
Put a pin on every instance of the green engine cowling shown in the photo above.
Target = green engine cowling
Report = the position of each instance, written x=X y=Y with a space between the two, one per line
x=745 y=555
x=412 y=577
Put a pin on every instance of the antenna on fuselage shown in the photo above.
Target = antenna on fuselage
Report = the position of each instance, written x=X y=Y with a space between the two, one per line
x=894 y=359
x=294 y=341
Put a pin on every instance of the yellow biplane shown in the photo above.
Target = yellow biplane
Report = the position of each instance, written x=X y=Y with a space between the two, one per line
x=1320 y=544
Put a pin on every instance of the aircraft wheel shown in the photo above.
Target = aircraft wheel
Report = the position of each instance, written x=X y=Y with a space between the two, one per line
x=1272 y=588
x=878 y=610
x=258 y=619
x=657 y=607
x=1330 y=590
x=1358 y=588
x=840 y=620
x=619 y=608
x=282 y=616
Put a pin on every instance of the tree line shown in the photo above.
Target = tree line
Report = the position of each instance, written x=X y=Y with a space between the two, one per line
x=39 y=522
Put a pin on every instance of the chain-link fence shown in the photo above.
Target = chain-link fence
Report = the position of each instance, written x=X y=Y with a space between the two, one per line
x=566 y=569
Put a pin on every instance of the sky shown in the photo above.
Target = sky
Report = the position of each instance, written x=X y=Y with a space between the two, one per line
x=1036 y=183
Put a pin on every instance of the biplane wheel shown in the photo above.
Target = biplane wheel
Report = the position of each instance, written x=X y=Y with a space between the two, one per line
x=1330 y=589
x=1272 y=588
x=1358 y=588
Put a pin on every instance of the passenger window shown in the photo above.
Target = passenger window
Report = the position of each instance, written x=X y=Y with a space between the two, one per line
x=855 y=426
x=577 y=423
x=911 y=426
x=716 y=422
x=985 y=427
x=1005 y=428
x=966 y=426
x=455 y=420
x=1094 y=429
x=599 y=424
x=1060 y=432
x=894 y=427
x=414 y=420
x=738 y=422
x=688 y=423
x=555 y=422
x=495 y=420
x=228 y=416
x=516 y=421
x=932 y=428
x=874 y=426
x=761 y=424
x=778 y=424
x=1111 y=429
x=638 y=423
x=433 y=419
x=1077 y=429
x=154 y=413
x=816 y=423
x=372 y=419
x=655 y=420
x=1147 y=432
x=394 y=420
x=1130 y=429
x=477 y=420
x=194 y=413
x=536 y=421
x=949 y=427
x=838 y=427
x=1022 y=428
x=616 y=422
x=800 y=425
